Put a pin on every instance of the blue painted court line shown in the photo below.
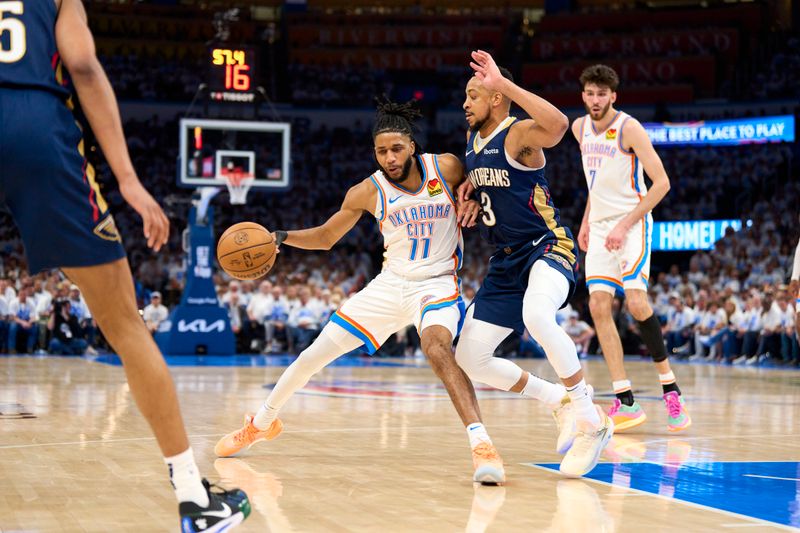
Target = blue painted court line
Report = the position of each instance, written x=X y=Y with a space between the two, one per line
x=767 y=491
x=252 y=360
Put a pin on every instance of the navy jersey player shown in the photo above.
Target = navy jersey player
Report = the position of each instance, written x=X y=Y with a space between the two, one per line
x=50 y=189
x=532 y=271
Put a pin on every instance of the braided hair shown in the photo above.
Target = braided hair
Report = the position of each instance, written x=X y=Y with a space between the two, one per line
x=396 y=118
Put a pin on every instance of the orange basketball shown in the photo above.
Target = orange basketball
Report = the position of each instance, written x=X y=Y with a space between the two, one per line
x=246 y=250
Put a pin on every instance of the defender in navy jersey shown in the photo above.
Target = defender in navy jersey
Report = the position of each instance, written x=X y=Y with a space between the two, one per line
x=64 y=221
x=532 y=271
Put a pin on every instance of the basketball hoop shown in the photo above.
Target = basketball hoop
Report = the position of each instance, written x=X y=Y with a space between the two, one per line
x=238 y=184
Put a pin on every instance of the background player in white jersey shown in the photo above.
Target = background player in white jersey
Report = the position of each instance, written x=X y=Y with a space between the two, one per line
x=616 y=232
x=411 y=199
x=532 y=271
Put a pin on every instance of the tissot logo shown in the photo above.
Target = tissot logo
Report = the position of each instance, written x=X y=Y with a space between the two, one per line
x=201 y=326
x=490 y=151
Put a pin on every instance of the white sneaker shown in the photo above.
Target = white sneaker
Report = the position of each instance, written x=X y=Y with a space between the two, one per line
x=565 y=422
x=582 y=457
x=739 y=360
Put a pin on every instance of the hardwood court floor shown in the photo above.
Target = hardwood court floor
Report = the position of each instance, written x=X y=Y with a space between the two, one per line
x=379 y=448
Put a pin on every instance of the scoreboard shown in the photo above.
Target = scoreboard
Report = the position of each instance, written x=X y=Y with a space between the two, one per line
x=232 y=74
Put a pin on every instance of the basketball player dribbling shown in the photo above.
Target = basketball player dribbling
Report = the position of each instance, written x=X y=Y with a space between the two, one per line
x=616 y=232
x=65 y=223
x=532 y=272
x=411 y=199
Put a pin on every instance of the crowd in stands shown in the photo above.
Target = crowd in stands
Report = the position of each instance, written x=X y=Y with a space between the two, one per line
x=730 y=304
x=305 y=287
x=745 y=270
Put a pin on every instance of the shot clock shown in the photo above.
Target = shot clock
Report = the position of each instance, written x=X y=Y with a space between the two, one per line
x=231 y=73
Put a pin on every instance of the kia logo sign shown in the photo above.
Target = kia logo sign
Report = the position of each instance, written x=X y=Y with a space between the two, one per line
x=201 y=326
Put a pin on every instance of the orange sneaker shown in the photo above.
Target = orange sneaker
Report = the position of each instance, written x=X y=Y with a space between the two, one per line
x=488 y=464
x=233 y=443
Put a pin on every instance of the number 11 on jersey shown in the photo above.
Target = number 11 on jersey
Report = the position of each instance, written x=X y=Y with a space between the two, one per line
x=426 y=248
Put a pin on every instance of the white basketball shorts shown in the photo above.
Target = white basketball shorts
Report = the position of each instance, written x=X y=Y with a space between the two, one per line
x=389 y=303
x=626 y=268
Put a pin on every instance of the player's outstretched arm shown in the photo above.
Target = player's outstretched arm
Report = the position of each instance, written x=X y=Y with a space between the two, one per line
x=76 y=46
x=359 y=198
x=635 y=136
x=548 y=124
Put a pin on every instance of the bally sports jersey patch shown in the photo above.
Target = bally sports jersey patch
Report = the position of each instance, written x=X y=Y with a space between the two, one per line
x=611 y=135
x=435 y=187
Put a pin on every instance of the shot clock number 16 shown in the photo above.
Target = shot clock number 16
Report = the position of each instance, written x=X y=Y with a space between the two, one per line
x=231 y=69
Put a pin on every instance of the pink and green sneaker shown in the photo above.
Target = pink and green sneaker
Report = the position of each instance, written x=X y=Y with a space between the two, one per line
x=677 y=416
x=626 y=416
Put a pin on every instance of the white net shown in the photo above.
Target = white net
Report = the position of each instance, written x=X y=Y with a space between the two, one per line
x=238 y=184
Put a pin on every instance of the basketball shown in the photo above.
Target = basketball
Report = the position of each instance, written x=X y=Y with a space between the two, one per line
x=246 y=251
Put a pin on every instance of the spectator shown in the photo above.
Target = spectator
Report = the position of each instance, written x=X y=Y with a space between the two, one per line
x=790 y=350
x=4 y=314
x=79 y=308
x=260 y=309
x=239 y=323
x=749 y=330
x=304 y=320
x=23 y=323
x=769 y=342
x=44 y=309
x=679 y=326
x=66 y=332
x=276 y=324
x=710 y=322
x=580 y=332
x=155 y=313
x=233 y=289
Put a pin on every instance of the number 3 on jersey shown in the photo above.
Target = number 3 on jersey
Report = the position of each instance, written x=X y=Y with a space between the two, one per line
x=488 y=217
x=17 y=45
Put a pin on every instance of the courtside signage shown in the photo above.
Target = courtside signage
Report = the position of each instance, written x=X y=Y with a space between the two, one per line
x=686 y=235
x=723 y=132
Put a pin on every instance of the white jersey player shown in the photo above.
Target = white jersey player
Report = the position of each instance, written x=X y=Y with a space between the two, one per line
x=615 y=234
x=411 y=199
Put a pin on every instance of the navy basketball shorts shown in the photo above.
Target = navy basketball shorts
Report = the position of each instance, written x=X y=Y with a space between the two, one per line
x=499 y=300
x=50 y=187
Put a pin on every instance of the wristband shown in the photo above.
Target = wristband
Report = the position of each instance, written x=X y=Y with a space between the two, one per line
x=280 y=236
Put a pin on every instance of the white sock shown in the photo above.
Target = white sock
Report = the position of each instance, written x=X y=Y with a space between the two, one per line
x=621 y=385
x=585 y=411
x=477 y=434
x=185 y=478
x=265 y=416
x=550 y=394
x=667 y=378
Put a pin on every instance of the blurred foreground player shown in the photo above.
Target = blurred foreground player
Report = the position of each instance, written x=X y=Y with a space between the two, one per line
x=64 y=221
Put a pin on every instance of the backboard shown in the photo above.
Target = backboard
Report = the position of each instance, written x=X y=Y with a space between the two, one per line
x=210 y=149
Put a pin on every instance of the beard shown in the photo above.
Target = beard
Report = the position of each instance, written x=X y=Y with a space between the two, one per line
x=603 y=112
x=478 y=123
x=403 y=175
